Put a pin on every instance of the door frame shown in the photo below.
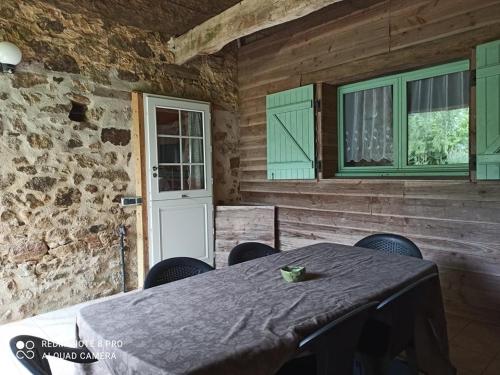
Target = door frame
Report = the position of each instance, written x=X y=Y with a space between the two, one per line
x=139 y=156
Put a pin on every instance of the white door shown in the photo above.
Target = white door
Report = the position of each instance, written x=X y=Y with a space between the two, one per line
x=179 y=178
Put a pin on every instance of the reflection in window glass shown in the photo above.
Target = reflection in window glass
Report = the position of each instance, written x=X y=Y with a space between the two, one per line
x=368 y=127
x=194 y=177
x=169 y=178
x=192 y=124
x=438 y=120
x=168 y=150
x=167 y=121
x=192 y=150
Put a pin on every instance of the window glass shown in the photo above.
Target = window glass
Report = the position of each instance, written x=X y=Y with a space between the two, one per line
x=194 y=177
x=192 y=124
x=438 y=120
x=169 y=178
x=168 y=150
x=181 y=160
x=368 y=127
x=192 y=150
x=167 y=121
x=413 y=123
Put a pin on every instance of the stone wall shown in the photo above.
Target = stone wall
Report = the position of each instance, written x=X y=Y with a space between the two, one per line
x=61 y=180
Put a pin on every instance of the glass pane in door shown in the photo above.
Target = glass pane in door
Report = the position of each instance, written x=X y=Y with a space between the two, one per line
x=167 y=121
x=192 y=124
x=194 y=177
x=169 y=178
x=168 y=150
x=192 y=150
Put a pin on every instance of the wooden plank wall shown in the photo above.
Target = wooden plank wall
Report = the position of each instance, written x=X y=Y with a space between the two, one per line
x=456 y=223
x=237 y=224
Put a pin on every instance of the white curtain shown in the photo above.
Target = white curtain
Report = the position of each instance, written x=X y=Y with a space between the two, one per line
x=195 y=174
x=368 y=127
x=440 y=93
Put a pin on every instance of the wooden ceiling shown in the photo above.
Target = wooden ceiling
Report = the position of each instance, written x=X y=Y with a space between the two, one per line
x=170 y=17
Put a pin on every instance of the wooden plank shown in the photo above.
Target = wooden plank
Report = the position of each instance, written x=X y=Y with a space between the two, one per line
x=349 y=187
x=483 y=212
x=237 y=224
x=418 y=189
x=439 y=50
x=327 y=140
x=304 y=28
x=292 y=235
x=138 y=152
x=466 y=22
x=369 y=29
x=245 y=18
x=467 y=233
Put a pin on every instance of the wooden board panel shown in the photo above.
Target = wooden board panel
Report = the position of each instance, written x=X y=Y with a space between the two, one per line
x=327 y=140
x=417 y=22
x=457 y=210
x=455 y=222
x=138 y=150
x=237 y=224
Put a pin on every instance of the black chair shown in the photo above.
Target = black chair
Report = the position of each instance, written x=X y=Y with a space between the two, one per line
x=390 y=243
x=391 y=331
x=331 y=349
x=32 y=351
x=174 y=269
x=248 y=251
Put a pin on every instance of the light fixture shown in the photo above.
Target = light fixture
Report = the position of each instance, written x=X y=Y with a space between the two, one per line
x=10 y=56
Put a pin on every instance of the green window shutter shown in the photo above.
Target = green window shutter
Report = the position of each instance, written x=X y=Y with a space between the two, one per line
x=290 y=134
x=488 y=111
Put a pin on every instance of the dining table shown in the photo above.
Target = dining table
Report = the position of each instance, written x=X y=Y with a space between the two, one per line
x=246 y=319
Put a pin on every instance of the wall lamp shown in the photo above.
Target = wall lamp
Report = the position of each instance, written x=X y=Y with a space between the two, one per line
x=10 y=56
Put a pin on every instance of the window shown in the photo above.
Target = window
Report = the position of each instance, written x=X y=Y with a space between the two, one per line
x=180 y=150
x=414 y=123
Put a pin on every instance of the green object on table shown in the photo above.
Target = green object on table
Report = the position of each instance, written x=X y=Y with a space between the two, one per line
x=292 y=274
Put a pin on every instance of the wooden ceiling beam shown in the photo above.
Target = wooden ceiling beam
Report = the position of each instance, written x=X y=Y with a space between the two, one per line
x=242 y=19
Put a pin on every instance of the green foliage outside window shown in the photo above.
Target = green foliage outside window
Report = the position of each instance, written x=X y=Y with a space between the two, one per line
x=438 y=138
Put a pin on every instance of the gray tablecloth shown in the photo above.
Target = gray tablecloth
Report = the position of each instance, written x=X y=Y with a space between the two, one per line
x=243 y=319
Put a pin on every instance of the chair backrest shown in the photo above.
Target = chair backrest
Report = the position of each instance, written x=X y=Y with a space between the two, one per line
x=334 y=344
x=248 y=251
x=390 y=243
x=393 y=325
x=174 y=269
x=402 y=309
x=32 y=351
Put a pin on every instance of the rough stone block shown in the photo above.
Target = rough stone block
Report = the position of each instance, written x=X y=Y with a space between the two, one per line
x=28 y=251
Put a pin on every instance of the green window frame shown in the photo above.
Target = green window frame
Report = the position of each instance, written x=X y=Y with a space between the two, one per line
x=400 y=167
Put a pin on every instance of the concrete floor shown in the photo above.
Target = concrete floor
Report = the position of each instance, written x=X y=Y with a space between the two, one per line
x=475 y=346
